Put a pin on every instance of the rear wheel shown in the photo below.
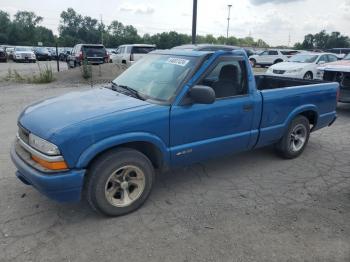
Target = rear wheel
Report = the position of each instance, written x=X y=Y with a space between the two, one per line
x=294 y=141
x=308 y=76
x=119 y=182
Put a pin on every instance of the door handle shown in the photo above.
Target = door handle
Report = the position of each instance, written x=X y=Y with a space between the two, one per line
x=248 y=107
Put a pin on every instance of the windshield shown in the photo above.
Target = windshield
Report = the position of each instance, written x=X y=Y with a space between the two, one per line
x=157 y=76
x=28 y=49
x=347 y=57
x=42 y=49
x=303 y=58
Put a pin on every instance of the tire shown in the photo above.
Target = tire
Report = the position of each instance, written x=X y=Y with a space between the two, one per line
x=111 y=186
x=253 y=62
x=294 y=141
x=308 y=76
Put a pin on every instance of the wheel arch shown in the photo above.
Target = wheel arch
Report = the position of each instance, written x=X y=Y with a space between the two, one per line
x=309 y=111
x=150 y=145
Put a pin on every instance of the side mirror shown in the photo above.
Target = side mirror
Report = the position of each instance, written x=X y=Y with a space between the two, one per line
x=202 y=94
x=68 y=52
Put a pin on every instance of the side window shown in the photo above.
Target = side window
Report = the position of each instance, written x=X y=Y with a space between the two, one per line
x=128 y=49
x=323 y=59
x=273 y=52
x=332 y=58
x=227 y=78
x=265 y=53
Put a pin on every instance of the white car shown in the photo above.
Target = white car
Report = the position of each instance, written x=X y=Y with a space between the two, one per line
x=24 y=54
x=128 y=54
x=303 y=65
x=270 y=57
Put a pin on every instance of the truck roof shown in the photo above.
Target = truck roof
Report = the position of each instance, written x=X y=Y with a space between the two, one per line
x=181 y=52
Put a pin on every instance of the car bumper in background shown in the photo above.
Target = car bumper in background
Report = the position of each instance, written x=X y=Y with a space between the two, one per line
x=287 y=75
x=344 y=95
x=63 y=187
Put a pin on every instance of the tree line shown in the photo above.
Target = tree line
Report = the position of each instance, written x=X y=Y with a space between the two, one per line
x=25 y=29
x=74 y=28
x=324 y=40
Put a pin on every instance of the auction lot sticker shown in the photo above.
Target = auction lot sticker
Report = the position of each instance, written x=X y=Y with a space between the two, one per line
x=177 y=61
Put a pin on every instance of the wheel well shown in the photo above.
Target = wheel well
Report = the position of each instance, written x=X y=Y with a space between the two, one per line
x=309 y=73
x=311 y=116
x=148 y=149
x=279 y=60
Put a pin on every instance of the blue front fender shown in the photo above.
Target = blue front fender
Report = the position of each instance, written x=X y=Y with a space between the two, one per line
x=114 y=141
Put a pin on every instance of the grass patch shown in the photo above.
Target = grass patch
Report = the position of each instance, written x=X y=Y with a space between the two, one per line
x=86 y=69
x=45 y=75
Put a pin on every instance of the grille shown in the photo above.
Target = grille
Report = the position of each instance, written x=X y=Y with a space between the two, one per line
x=23 y=134
x=279 y=72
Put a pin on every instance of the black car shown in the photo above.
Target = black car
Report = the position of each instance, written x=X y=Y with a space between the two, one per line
x=42 y=53
x=63 y=55
x=3 y=55
x=93 y=53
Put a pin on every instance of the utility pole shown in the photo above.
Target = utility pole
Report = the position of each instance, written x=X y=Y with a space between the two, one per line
x=228 y=20
x=194 y=22
x=101 y=30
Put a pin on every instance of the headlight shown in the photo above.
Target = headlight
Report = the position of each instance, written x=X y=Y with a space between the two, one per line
x=43 y=146
x=295 y=70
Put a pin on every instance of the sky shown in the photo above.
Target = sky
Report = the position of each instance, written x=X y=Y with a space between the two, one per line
x=278 y=22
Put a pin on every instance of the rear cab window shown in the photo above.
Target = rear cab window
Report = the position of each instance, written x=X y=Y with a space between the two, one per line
x=94 y=50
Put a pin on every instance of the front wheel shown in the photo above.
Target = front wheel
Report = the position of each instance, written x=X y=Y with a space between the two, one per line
x=294 y=141
x=308 y=76
x=119 y=182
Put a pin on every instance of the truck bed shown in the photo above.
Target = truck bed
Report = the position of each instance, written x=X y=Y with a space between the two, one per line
x=284 y=98
x=265 y=82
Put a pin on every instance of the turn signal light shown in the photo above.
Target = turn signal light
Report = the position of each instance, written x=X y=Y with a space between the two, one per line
x=51 y=165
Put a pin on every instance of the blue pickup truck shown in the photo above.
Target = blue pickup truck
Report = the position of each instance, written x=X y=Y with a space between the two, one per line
x=171 y=109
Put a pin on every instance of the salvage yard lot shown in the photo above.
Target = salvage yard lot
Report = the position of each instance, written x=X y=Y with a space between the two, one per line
x=247 y=207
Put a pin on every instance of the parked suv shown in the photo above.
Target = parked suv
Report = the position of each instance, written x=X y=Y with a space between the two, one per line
x=24 y=54
x=95 y=54
x=128 y=54
x=270 y=57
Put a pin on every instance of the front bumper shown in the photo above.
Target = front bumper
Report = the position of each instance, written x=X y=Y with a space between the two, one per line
x=286 y=75
x=63 y=187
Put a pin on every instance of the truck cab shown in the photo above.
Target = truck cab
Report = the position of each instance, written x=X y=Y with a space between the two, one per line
x=172 y=108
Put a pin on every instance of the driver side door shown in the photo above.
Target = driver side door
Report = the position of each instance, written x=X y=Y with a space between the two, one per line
x=201 y=131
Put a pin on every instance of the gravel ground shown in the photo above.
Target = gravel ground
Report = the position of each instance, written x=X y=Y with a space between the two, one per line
x=247 y=207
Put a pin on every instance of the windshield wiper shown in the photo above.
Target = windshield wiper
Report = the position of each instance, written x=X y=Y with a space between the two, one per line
x=129 y=90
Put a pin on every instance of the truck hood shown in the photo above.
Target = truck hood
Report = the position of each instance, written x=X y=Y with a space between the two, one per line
x=51 y=115
x=289 y=66
x=342 y=66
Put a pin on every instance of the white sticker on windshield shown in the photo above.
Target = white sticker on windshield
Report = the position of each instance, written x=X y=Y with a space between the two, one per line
x=177 y=61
